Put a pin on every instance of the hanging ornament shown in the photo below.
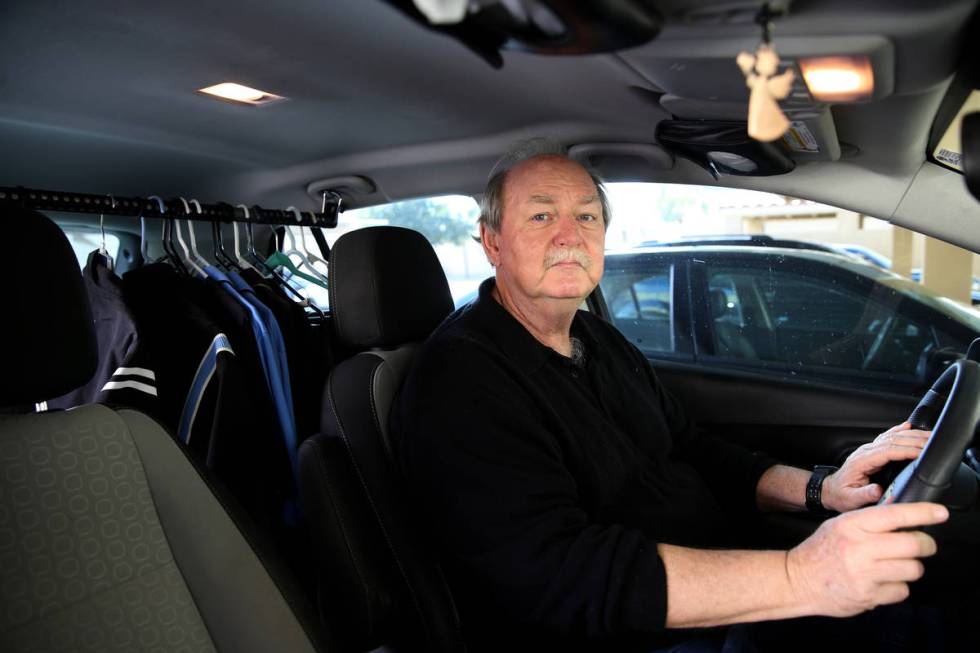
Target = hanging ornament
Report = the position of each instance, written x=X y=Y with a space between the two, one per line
x=766 y=119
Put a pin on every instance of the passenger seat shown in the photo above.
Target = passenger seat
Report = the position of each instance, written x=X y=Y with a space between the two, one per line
x=380 y=584
x=110 y=538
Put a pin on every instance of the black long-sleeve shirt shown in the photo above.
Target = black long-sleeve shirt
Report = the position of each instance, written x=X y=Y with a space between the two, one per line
x=549 y=481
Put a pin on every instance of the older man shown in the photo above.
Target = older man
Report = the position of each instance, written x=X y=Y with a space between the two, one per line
x=574 y=501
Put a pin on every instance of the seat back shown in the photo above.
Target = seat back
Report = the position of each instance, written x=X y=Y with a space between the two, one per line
x=380 y=584
x=110 y=538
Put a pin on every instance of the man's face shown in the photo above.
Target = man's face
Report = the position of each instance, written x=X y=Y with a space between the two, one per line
x=552 y=233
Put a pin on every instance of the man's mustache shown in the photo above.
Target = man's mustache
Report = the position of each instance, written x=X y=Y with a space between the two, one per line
x=565 y=254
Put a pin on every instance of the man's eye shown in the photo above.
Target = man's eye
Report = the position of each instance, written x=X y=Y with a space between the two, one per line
x=539 y=217
x=587 y=217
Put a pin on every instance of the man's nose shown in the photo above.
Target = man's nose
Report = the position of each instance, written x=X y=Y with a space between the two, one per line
x=568 y=231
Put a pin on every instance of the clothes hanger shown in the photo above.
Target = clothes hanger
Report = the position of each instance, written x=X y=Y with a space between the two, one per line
x=313 y=255
x=242 y=261
x=102 y=251
x=288 y=234
x=143 y=247
x=304 y=255
x=167 y=239
x=278 y=259
x=203 y=262
x=269 y=269
x=218 y=247
x=250 y=242
x=180 y=239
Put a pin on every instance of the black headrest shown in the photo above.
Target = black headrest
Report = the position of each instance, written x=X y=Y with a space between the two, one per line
x=49 y=344
x=387 y=287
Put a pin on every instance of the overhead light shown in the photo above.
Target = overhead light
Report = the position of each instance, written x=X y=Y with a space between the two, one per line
x=239 y=93
x=838 y=79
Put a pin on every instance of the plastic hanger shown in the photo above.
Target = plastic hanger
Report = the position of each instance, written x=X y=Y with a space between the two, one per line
x=218 y=247
x=312 y=256
x=180 y=239
x=304 y=255
x=203 y=262
x=242 y=261
x=143 y=248
x=166 y=239
x=279 y=259
x=262 y=266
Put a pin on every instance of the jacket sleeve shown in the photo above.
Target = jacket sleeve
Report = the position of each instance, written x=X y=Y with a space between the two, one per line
x=507 y=512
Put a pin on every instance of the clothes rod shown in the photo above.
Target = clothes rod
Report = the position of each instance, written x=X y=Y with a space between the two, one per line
x=47 y=200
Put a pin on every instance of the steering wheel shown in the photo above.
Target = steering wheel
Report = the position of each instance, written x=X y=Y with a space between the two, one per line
x=952 y=409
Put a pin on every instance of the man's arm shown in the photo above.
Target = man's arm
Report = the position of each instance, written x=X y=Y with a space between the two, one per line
x=852 y=563
x=784 y=488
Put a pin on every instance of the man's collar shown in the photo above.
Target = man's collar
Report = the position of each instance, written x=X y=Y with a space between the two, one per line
x=513 y=337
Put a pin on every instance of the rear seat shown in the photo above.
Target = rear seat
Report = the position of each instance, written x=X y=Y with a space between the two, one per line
x=111 y=539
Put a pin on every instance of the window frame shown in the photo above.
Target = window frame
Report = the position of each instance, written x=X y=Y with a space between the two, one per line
x=680 y=309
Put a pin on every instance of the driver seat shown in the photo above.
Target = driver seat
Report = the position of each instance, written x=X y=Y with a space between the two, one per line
x=380 y=582
x=111 y=539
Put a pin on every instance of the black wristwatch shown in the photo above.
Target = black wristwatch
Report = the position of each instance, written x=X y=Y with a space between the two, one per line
x=814 y=488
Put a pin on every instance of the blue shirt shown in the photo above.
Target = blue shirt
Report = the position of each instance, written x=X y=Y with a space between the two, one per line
x=269 y=354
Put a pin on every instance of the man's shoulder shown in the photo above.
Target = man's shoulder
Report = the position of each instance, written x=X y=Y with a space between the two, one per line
x=460 y=338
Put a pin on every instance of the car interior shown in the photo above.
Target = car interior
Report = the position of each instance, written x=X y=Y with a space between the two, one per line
x=228 y=483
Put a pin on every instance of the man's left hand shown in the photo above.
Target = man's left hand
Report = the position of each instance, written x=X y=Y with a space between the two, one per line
x=850 y=487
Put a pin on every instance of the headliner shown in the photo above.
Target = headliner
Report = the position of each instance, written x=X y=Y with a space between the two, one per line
x=99 y=97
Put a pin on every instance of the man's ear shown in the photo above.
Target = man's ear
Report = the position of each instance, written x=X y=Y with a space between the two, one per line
x=488 y=238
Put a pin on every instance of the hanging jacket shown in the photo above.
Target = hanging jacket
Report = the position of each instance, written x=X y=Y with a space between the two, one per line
x=124 y=376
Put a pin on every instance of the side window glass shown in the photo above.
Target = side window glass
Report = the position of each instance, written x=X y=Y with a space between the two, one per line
x=448 y=222
x=640 y=306
x=810 y=325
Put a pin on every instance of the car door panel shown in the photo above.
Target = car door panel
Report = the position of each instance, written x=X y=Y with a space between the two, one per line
x=799 y=423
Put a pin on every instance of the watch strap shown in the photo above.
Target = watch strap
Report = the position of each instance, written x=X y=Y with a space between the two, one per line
x=814 y=488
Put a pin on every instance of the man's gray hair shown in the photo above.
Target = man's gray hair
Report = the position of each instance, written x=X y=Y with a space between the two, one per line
x=492 y=202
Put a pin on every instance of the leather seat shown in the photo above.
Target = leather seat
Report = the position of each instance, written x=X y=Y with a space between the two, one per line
x=380 y=584
x=110 y=538
x=729 y=340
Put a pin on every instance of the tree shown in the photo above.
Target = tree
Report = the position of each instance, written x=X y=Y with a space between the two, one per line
x=429 y=217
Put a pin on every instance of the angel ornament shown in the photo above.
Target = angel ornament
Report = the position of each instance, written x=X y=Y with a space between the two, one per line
x=766 y=119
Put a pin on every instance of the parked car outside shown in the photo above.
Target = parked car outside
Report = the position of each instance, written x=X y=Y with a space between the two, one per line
x=800 y=314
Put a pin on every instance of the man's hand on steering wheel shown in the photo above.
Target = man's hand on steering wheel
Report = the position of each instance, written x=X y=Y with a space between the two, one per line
x=850 y=487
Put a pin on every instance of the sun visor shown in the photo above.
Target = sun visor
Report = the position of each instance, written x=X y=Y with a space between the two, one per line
x=723 y=148
x=559 y=27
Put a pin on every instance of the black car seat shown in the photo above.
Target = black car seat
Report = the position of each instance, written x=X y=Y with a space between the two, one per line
x=379 y=582
x=110 y=538
x=729 y=340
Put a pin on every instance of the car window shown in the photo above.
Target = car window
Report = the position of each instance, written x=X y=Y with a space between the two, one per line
x=820 y=325
x=640 y=304
x=448 y=223
x=785 y=287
